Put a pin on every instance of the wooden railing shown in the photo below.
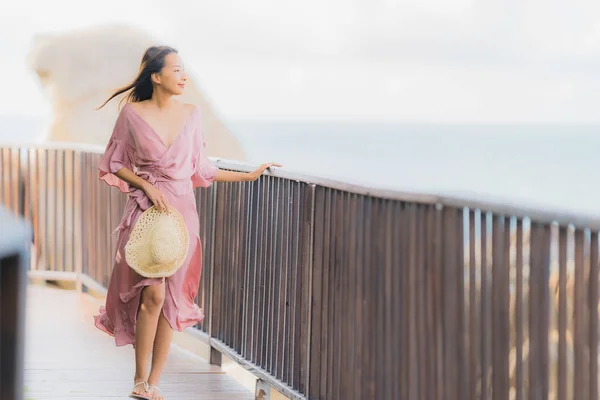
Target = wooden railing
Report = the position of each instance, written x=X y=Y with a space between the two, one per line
x=328 y=290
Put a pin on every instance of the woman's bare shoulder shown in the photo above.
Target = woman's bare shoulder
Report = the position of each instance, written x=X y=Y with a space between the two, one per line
x=188 y=107
x=138 y=105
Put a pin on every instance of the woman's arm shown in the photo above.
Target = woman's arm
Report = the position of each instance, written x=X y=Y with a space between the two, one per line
x=127 y=175
x=231 y=176
x=156 y=196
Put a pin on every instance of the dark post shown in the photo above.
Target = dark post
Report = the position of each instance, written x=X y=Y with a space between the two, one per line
x=15 y=242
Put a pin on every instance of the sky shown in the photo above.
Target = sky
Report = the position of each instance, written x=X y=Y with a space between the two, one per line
x=507 y=61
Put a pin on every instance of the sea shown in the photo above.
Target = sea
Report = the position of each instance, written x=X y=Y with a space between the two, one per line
x=549 y=166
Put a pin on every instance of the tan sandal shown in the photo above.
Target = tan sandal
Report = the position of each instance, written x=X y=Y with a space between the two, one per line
x=145 y=396
x=151 y=389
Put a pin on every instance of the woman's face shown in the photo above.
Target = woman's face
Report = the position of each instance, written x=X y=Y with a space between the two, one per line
x=172 y=78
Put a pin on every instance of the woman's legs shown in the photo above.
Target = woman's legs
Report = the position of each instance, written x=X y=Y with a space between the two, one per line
x=151 y=303
x=162 y=343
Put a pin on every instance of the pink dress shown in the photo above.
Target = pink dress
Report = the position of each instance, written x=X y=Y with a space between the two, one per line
x=175 y=171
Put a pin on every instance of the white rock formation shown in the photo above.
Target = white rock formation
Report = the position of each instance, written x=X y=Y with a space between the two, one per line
x=80 y=69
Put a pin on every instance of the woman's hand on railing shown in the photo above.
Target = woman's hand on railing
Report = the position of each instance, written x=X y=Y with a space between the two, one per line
x=259 y=171
x=234 y=176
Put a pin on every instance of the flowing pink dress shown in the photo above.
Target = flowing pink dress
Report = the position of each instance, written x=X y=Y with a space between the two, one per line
x=175 y=171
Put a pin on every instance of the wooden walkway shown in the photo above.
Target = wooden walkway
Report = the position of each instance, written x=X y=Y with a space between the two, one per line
x=66 y=357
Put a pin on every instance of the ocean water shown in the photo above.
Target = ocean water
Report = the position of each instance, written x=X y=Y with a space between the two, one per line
x=550 y=166
x=535 y=165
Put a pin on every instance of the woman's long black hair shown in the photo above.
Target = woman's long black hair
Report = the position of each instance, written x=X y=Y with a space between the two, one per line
x=141 y=88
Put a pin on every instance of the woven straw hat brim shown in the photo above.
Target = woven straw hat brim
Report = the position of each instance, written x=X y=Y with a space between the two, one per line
x=138 y=252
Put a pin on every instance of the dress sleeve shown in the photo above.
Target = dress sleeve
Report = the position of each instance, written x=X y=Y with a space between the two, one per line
x=204 y=170
x=117 y=154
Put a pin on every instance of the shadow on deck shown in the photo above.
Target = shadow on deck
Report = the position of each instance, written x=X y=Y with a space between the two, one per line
x=67 y=357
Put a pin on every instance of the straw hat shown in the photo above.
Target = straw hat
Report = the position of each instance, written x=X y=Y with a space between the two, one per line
x=158 y=243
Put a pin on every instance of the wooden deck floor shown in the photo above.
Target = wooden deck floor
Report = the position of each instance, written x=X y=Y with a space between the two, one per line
x=66 y=357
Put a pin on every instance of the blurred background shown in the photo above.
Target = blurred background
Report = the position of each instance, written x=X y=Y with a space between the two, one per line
x=490 y=98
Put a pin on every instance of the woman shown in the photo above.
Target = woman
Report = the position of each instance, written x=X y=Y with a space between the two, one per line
x=162 y=138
